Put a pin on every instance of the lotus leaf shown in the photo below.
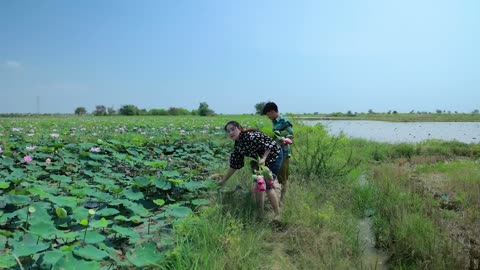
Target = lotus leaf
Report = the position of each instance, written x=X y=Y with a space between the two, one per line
x=7 y=162
x=17 y=199
x=161 y=184
x=28 y=246
x=156 y=164
x=107 y=212
x=159 y=202
x=177 y=211
x=133 y=195
x=141 y=181
x=126 y=232
x=4 y=185
x=198 y=202
x=171 y=174
x=61 y=178
x=146 y=255
x=102 y=223
x=194 y=185
x=7 y=261
x=69 y=262
x=63 y=201
x=90 y=252
x=43 y=229
x=50 y=258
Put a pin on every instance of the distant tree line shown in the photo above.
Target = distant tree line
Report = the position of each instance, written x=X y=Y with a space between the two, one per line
x=101 y=110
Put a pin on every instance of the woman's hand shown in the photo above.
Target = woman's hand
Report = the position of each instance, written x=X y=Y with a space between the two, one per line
x=262 y=162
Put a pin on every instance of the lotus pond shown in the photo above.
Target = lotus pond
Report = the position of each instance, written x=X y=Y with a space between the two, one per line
x=102 y=192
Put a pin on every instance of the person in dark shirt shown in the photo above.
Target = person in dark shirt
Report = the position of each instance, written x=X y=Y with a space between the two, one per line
x=282 y=125
x=254 y=144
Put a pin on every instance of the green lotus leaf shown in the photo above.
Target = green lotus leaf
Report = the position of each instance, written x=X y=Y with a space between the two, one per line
x=84 y=222
x=50 y=258
x=198 y=202
x=61 y=178
x=171 y=174
x=105 y=212
x=7 y=162
x=141 y=181
x=105 y=181
x=162 y=184
x=132 y=195
x=146 y=255
x=159 y=202
x=136 y=219
x=176 y=181
x=90 y=252
x=69 y=262
x=7 y=261
x=4 y=185
x=17 y=199
x=194 y=185
x=126 y=232
x=120 y=218
x=177 y=211
x=43 y=229
x=79 y=213
x=102 y=223
x=36 y=191
x=156 y=164
x=94 y=237
x=28 y=245
x=63 y=201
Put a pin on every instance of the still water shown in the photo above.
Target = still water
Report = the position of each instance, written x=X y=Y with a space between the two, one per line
x=396 y=132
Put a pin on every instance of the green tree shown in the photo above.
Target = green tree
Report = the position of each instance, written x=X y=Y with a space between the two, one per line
x=259 y=107
x=178 y=111
x=203 y=110
x=100 y=110
x=128 y=110
x=111 y=111
x=80 y=111
x=158 y=112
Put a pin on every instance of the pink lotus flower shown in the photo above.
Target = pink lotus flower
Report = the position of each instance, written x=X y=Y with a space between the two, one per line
x=287 y=141
x=27 y=158
x=260 y=184
x=48 y=161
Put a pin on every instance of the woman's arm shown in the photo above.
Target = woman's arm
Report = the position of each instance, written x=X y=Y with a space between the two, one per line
x=227 y=176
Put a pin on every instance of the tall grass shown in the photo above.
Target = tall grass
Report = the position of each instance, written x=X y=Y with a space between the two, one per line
x=402 y=222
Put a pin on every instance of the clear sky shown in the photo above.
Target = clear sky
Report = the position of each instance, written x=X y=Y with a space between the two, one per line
x=307 y=56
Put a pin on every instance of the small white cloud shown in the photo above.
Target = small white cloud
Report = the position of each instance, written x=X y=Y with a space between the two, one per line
x=13 y=64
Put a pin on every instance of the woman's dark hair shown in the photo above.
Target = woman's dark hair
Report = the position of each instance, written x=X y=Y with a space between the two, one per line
x=233 y=123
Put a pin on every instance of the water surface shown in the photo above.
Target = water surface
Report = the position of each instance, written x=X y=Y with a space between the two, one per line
x=396 y=132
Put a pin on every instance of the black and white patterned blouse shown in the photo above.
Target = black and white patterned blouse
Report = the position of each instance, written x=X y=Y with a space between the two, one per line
x=253 y=143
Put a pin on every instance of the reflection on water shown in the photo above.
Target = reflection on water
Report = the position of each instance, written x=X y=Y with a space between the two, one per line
x=395 y=132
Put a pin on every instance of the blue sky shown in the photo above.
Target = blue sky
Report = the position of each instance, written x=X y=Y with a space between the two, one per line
x=307 y=56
